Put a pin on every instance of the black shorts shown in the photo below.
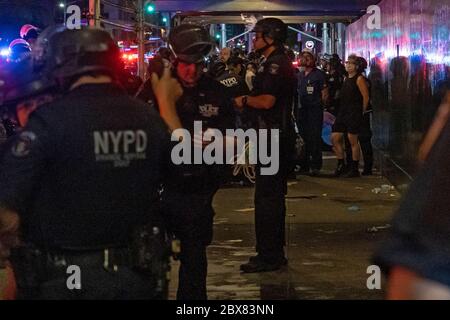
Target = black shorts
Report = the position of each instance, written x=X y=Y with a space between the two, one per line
x=348 y=123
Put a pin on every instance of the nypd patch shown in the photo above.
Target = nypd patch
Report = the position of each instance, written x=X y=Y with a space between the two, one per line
x=274 y=68
x=22 y=146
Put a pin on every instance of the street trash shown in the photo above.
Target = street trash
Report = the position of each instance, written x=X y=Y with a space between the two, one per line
x=378 y=228
x=384 y=188
x=376 y=190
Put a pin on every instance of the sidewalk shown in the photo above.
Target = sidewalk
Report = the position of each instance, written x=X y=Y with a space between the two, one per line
x=330 y=238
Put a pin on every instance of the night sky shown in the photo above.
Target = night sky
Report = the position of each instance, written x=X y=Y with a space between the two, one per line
x=14 y=14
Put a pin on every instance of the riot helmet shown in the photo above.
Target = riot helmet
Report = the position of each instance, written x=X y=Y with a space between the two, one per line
x=272 y=28
x=19 y=50
x=29 y=32
x=77 y=52
x=190 y=43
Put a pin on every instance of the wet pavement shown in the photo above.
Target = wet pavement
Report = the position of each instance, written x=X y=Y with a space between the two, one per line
x=332 y=228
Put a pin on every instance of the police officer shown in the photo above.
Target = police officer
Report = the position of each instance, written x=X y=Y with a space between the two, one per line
x=81 y=179
x=30 y=34
x=232 y=80
x=313 y=94
x=189 y=192
x=271 y=99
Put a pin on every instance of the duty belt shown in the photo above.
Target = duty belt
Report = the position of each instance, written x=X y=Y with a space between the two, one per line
x=109 y=258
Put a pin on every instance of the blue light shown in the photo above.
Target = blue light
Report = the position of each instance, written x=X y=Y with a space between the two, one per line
x=164 y=20
x=5 y=52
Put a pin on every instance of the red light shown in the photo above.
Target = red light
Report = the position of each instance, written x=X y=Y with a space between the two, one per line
x=295 y=63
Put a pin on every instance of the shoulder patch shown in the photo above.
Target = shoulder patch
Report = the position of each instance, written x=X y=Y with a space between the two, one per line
x=274 y=68
x=22 y=146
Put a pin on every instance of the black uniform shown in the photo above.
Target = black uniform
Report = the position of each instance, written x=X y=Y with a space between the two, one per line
x=83 y=175
x=334 y=83
x=189 y=192
x=235 y=85
x=275 y=77
x=310 y=117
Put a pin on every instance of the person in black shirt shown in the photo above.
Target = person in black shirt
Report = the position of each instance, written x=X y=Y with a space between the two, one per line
x=82 y=178
x=353 y=104
x=271 y=102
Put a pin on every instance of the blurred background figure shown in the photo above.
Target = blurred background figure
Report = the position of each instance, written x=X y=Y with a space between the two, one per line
x=313 y=94
x=19 y=50
x=235 y=66
x=30 y=34
x=416 y=254
x=225 y=54
x=250 y=74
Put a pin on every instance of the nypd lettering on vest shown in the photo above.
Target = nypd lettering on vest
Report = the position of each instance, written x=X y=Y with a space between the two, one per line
x=229 y=82
x=208 y=110
x=120 y=147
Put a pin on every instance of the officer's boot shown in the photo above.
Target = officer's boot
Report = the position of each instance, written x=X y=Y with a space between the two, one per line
x=368 y=165
x=340 y=168
x=367 y=170
x=354 y=170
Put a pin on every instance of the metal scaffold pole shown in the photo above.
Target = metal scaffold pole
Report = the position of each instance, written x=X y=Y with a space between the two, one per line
x=141 y=40
x=97 y=13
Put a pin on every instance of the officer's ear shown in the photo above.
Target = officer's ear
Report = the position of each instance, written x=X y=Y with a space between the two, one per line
x=269 y=40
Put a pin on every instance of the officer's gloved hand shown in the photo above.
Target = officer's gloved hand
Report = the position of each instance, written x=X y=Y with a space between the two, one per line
x=167 y=91
x=166 y=88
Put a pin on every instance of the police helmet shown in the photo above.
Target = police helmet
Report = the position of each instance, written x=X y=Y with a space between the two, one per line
x=40 y=53
x=21 y=83
x=77 y=52
x=217 y=68
x=28 y=31
x=28 y=88
x=272 y=28
x=190 y=43
x=19 y=49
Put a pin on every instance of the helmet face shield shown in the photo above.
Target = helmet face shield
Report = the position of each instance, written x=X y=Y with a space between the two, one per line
x=190 y=43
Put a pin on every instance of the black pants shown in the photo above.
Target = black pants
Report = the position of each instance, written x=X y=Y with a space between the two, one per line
x=191 y=220
x=270 y=210
x=310 y=125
